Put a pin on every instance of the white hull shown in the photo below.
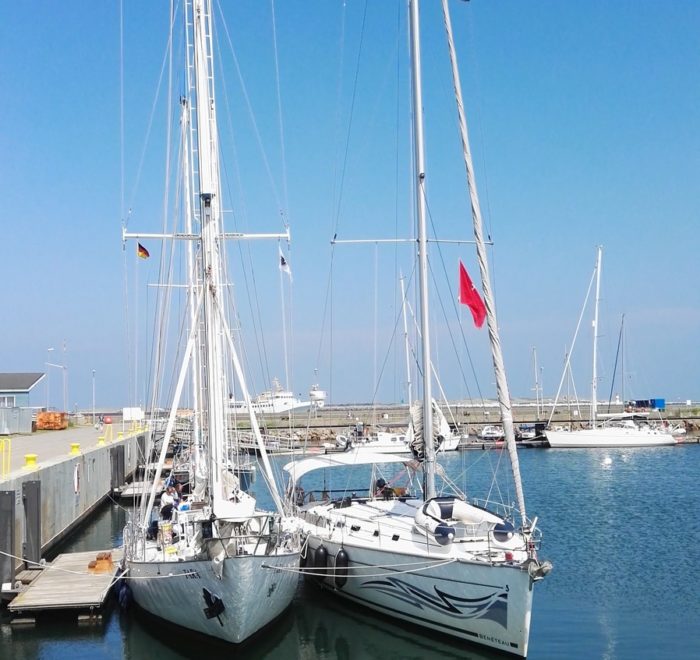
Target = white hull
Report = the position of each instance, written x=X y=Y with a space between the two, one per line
x=477 y=589
x=252 y=594
x=480 y=603
x=271 y=407
x=608 y=437
x=450 y=443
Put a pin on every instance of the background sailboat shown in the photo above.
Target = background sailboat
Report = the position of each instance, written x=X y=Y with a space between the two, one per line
x=619 y=430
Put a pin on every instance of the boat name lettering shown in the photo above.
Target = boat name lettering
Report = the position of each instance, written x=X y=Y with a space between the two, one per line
x=488 y=638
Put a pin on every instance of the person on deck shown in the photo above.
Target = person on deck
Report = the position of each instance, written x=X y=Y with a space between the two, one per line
x=168 y=501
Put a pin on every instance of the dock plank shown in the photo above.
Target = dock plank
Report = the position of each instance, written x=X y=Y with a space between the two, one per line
x=66 y=583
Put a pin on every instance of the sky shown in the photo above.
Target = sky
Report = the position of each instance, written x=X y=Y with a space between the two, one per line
x=584 y=121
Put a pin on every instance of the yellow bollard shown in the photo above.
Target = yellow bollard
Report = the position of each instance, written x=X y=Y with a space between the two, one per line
x=100 y=441
x=120 y=435
x=30 y=461
x=75 y=448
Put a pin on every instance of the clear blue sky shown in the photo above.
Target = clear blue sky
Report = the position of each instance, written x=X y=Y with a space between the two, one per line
x=585 y=126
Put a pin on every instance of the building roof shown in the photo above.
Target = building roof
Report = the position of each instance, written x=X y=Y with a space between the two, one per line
x=19 y=382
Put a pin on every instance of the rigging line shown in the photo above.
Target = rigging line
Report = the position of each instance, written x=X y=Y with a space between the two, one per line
x=397 y=115
x=166 y=261
x=285 y=190
x=244 y=253
x=375 y=332
x=567 y=364
x=479 y=98
x=151 y=117
x=122 y=166
x=246 y=257
x=256 y=319
x=617 y=355
x=321 y=573
x=338 y=115
x=398 y=317
x=128 y=329
x=456 y=311
x=284 y=328
x=350 y=121
x=249 y=107
x=324 y=314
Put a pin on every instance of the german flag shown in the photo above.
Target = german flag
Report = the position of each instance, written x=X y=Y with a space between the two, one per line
x=142 y=251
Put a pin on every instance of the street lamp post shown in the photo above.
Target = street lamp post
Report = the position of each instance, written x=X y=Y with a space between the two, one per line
x=93 y=397
x=65 y=379
x=60 y=366
x=48 y=376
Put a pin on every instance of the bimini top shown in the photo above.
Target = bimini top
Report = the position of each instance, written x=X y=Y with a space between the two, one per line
x=297 y=469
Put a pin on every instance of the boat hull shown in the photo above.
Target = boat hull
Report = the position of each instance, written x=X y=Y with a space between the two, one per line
x=253 y=590
x=608 y=438
x=481 y=603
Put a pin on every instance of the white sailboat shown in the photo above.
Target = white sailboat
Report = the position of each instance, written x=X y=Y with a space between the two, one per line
x=220 y=566
x=619 y=430
x=437 y=562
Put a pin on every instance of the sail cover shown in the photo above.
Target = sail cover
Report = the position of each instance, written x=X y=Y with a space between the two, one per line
x=441 y=429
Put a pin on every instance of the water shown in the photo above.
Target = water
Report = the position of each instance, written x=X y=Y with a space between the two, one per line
x=620 y=526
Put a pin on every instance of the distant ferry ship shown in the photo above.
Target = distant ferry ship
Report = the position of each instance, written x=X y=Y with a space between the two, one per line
x=278 y=400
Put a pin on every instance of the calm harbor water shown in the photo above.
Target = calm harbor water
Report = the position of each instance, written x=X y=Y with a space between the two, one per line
x=622 y=528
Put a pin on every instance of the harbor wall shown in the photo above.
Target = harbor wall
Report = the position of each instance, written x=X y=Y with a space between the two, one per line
x=70 y=488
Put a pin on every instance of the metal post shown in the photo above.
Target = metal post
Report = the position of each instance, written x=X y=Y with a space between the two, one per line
x=7 y=537
x=93 y=397
x=48 y=376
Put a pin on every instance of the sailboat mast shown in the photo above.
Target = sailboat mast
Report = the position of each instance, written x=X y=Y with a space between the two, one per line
x=211 y=229
x=492 y=324
x=200 y=470
x=419 y=156
x=594 y=380
x=409 y=393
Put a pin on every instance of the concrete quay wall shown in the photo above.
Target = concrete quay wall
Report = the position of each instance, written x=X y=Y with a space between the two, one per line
x=470 y=417
x=71 y=486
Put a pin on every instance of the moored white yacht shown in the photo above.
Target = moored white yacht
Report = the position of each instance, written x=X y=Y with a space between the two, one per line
x=214 y=563
x=386 y=540
x=620 y=430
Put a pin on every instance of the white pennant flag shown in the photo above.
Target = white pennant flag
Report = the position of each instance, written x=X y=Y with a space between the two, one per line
x=284 y=264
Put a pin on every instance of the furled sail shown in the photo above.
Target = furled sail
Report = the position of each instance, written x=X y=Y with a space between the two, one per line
x=441 y=429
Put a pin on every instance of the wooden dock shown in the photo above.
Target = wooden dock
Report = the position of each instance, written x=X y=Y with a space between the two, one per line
x=76 y=580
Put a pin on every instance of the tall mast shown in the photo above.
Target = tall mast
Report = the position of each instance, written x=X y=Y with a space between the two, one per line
x=537 y=382
x=409 y=393
x=494 y=337
x=419 y=156
x=214 y=383
x=594 y=380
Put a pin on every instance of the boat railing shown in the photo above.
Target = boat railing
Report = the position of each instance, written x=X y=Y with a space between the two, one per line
x=505 y=511
x=246 y=536
x=273 y=443
x=344 y=496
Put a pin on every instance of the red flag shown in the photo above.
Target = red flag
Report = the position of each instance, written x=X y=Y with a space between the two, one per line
x=468 y=295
